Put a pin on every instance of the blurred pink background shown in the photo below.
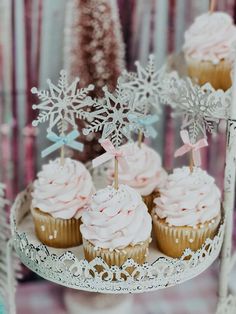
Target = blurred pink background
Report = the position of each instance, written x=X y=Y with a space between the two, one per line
x=40 y=37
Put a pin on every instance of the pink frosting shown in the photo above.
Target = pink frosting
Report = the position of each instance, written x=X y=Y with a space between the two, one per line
x=144 y=172
x=63 y=191
x=188 y=198
x=210 y=37
x=116 y=218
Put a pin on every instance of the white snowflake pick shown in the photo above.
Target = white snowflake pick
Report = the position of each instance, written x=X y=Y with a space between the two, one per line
x=202 y=107
x=111 y=116
x=61 y=104
x=146 y=85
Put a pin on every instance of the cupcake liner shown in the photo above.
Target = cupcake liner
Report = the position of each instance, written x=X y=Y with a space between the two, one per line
x=172 y=240
x=218 y=75
x=148 y=200
x=56 y=232
x=138 y=253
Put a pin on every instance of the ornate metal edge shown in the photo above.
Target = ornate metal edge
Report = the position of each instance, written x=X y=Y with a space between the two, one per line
x=67 y=270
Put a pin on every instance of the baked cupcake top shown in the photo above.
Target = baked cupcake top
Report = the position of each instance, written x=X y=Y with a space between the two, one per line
x=143 y=170
x=188 y=198
x=62 y=191
x=116 y=218
x=210 y=37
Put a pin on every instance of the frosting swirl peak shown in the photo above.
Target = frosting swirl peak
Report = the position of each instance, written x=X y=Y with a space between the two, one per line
x=144 y=172
x=62 y=191
x=188 y=198
x=210 y=37
x=116 y=218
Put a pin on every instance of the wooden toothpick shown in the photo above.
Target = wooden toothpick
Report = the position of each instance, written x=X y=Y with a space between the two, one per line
x=140 y=138
x=212 y=6
x=191 y=162
x=116 y=185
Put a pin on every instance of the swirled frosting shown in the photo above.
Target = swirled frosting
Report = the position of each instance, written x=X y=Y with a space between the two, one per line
x=143 y=170
x=188 y=198
x=62 y=191
x=210 y=37
x=116 y=218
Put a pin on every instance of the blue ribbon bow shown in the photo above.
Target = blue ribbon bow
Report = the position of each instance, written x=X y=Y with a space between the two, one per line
x=68 y=140
x=145 y=123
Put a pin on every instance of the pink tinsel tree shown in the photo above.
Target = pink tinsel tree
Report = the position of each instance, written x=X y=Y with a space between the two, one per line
x=94 y=51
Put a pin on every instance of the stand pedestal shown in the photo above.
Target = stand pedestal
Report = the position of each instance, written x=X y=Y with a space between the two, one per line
x=80 y=302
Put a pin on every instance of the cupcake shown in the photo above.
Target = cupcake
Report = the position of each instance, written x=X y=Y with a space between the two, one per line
x=59 y=197
x=187 y=212
x=208 y=49
x=142 y=171
x=116 y=226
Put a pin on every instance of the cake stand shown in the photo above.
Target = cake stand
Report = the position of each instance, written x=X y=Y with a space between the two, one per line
x=70 y=269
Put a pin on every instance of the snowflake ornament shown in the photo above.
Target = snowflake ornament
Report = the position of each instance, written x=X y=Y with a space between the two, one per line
x=201 y=106
x=61 y=104
x=146 y=85
x=111 y=116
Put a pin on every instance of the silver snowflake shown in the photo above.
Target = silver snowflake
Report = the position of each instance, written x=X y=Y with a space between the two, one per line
x=146 y=85
x=201 y=106
x=61 y=104
x=111 y=116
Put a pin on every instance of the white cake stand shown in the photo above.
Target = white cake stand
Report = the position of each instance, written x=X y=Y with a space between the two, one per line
x=70 y=269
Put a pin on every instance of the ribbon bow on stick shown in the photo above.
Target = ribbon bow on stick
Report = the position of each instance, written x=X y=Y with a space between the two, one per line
x=111 y=152
x=60 y=141
x=145 y=122
x=188 y=146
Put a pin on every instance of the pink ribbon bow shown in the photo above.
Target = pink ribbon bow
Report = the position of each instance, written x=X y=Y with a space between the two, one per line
x=111 y=152
x=188 y=146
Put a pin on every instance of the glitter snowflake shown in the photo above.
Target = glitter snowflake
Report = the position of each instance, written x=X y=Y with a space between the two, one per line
x=61 y=104
x=201 y=106
x=111 y=116
x=146 y=85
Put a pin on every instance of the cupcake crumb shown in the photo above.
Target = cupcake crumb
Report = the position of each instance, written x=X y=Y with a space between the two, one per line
x=191 y=240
